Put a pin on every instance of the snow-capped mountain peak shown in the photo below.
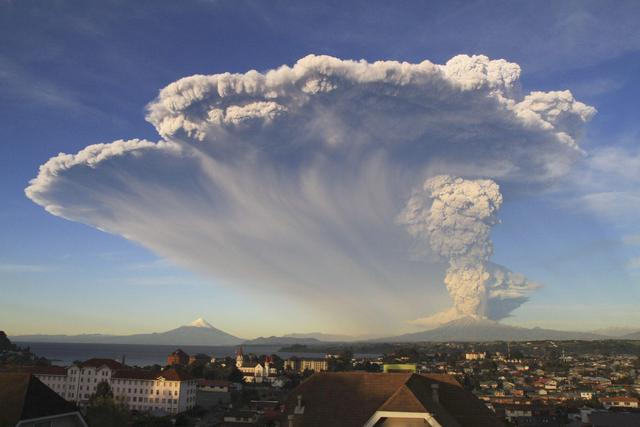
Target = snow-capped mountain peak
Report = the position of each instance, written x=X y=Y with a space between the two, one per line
x=201 y=323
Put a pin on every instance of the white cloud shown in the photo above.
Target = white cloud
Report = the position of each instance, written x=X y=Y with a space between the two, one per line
x=608 y=182
x=634 y=263
x=292 y=180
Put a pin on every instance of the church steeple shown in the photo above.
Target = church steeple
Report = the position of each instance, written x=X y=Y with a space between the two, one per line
x=239 y=358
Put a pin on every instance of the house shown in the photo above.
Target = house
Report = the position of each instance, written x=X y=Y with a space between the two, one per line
x=241 y=417
x=296 y=364
x=212 y=393
x=620 y=402
x=411 y=368
x=364 y=399
x=27 y=402
x=475 y=356
x=199 y=359
x=587 y=395
x=178 y=357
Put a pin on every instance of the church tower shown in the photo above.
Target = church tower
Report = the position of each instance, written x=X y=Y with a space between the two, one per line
x=239 y=358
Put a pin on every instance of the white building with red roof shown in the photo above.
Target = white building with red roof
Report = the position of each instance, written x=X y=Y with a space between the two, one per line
x=170 y=391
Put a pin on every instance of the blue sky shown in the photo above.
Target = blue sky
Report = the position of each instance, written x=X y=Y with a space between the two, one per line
x=79 y=73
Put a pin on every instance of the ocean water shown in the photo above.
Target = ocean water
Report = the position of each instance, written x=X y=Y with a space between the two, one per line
x=63 y=354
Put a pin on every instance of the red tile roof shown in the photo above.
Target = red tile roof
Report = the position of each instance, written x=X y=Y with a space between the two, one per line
x=98 y=363
x=136 y=374
x=351 y=398
x=620 y=399
x=171 y=374
x=174 y=374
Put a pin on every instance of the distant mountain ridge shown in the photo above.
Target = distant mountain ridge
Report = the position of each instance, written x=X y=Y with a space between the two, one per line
x=199 y=332
x=633 y=336
x=273 y=340
x=324 y=337
x=616 y=331
x=470 y=329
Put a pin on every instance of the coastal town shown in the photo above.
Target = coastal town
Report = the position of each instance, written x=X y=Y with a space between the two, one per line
x=538 y=383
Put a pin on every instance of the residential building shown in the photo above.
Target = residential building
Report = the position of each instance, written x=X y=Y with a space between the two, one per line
x=178 y=357
x=620 y=402
x=169 y=391
x=307 y=364
x=25 y=401
x=400 y=367
x=587 y=395
x=199 y=359
x=242 y=416
x=212 y=393
x=77 y=382
x=363 y=399
x=475 y=355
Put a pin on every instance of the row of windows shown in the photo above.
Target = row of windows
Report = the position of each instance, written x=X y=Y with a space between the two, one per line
x=145 y=391
x=152 y=408
x=150 y=400
x=103 y=372
x=145 y=382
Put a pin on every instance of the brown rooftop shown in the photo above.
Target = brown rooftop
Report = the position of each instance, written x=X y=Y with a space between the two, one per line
x=350 y=399
x=23 y=396
x=98 y=363
x=136 y=374
x=171 y=374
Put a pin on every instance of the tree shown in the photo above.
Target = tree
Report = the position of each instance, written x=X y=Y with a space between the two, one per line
x=103 y=390
x=103 y=411
x=235 y=376
x=5 y=343
x=343 y=362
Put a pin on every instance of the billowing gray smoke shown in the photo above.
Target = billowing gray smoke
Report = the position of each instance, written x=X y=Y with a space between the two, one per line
x=454 y=217
x=289 y=182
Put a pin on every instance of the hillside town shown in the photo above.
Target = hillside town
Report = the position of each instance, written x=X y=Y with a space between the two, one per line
x=542 y=383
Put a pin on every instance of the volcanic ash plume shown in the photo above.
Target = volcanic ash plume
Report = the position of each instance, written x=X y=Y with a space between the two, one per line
x=454 y=217
x=289 y=182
